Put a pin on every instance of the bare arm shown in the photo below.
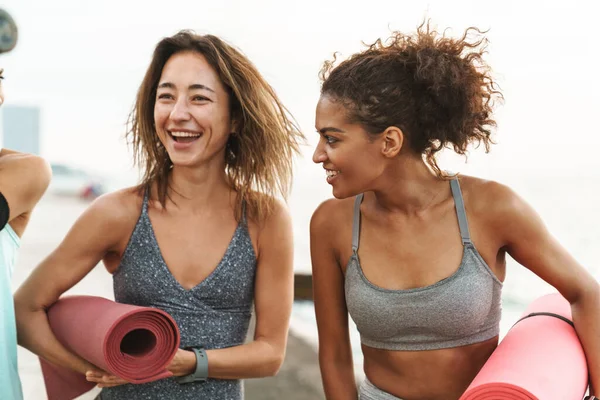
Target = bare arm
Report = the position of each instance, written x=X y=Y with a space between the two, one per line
x=335 y=353
x=23 y=180
x=95 y=233
x=529 y=243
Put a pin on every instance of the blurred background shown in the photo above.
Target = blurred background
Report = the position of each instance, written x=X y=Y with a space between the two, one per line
x=72 y=80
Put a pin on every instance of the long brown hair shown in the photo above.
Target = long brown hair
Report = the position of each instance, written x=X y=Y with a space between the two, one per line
x=258 y=156
x=437 y=89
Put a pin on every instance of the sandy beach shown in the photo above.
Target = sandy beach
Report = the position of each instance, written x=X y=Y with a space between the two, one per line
x=298 y=379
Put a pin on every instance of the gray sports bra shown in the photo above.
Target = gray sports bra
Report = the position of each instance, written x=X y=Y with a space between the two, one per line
x=459 y=310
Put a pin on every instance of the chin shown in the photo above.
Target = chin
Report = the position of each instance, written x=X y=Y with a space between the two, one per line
x=185 y=163
x=342 y=194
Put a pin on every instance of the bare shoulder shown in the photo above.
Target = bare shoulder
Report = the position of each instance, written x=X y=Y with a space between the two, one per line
x=263 y=210
x=23 y=180
x=331 y=228
x=279 y=212
x=488 y=195
x=119 y=208
x=331 y=242
x=40 y=170
x=27 y=174
x=331 y=214
x=277 y=220
x=491 y=200
x=273 y=228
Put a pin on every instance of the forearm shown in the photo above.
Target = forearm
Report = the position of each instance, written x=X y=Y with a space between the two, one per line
x=586 y=311
x=256 y=359
x=339 y=382
x=34 y=333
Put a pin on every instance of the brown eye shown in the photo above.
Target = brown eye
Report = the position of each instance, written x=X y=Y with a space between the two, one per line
x=330 y=139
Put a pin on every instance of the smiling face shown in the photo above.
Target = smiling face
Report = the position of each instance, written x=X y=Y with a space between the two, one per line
x=191 y=113
x=352 y=161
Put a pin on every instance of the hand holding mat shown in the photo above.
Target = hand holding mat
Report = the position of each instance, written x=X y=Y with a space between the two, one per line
x=131 y=342
x=540 y=358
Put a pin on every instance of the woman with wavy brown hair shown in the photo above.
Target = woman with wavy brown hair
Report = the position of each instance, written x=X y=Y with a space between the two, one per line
x=202 y=237
x=415 y=255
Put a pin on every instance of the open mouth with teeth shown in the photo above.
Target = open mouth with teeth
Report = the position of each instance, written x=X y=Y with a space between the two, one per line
x=331 y=174
x=184 y=137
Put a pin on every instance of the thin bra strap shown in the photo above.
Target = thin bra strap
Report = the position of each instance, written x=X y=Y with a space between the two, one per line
x=145 y=202
x=460 y=211
x=356 y=223
x=244 y=220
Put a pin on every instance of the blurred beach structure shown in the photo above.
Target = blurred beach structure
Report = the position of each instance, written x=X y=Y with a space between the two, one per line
x=69 y=181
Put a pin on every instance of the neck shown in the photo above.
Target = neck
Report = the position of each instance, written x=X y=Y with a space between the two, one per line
x=198 y=188
x=409 y=186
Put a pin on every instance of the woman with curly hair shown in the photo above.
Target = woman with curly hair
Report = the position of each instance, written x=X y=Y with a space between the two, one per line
x=202 y=237
x=416 y=255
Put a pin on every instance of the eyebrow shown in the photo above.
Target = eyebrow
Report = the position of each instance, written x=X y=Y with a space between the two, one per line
x=195 y=86
x=327 y=129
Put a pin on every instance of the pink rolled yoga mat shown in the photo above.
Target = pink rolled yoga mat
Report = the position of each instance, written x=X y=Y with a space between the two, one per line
x=131 y=342
x=540 y=358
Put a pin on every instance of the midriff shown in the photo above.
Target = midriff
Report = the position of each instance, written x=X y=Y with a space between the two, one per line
x=442 y=374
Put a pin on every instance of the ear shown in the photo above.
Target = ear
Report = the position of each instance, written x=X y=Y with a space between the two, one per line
x=393 y=139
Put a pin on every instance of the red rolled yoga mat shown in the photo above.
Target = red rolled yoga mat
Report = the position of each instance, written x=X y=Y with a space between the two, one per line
x=131 y=342
x=540 y=358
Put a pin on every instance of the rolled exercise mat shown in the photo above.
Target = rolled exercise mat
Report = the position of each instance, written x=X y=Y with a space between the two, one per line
x=131 y=342
x=540 y=358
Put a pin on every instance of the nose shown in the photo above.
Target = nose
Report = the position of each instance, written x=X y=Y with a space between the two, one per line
x=319 y=155
x=180 y=111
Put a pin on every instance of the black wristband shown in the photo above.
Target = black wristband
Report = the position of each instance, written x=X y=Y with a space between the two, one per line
x=4 y=211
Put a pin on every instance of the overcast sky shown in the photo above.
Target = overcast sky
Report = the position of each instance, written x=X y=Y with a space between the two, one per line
x=82 y=61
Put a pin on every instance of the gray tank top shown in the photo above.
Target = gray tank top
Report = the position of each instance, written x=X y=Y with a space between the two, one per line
x=214 y=314
x=459 y=310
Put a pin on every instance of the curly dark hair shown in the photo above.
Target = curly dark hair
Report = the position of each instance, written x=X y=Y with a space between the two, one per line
x=436 y=89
